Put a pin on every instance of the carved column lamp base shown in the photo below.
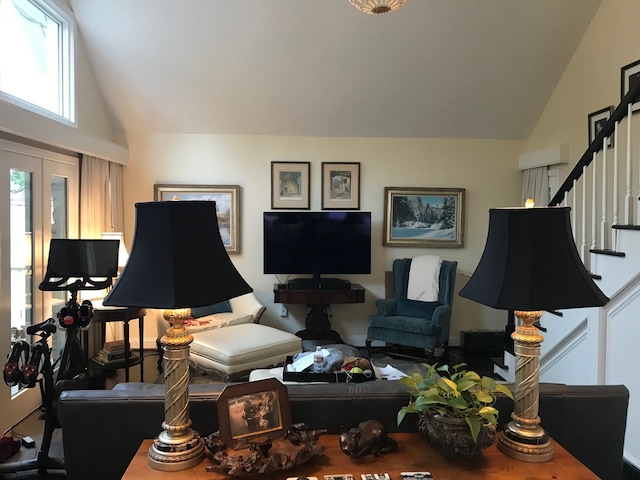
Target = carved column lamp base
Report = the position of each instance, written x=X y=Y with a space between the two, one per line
x=523 y=438
x=177 y=447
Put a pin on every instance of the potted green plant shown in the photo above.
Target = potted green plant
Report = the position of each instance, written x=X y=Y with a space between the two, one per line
x=455 y=407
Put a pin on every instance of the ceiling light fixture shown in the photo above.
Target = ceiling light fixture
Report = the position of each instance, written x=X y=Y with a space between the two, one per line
x=376 y=7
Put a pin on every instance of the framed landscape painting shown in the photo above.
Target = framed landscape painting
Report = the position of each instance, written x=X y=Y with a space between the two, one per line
x=424 y=217
x=227 y=198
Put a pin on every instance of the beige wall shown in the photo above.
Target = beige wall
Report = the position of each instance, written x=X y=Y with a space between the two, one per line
x=591 y=80
x=488 y=170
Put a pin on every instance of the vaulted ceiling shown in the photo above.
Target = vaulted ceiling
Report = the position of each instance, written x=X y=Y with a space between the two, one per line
x=435 y=68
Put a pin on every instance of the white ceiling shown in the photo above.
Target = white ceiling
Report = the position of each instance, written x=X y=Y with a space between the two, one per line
x=435 y=68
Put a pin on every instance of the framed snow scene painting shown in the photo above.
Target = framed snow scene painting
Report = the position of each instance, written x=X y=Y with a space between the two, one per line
x=424 y=217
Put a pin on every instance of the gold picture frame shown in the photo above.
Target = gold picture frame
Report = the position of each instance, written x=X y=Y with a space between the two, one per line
x=290 y=185
x=340 y=186
x=227 y=198
x=424 y=217
x=253 y=409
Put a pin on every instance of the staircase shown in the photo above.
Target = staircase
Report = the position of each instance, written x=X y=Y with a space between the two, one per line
x=601 y=345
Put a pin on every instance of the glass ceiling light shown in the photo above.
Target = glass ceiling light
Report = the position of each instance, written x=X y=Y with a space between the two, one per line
x=376 y=7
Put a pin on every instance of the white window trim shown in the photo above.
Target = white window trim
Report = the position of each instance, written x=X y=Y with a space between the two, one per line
x=67 y=69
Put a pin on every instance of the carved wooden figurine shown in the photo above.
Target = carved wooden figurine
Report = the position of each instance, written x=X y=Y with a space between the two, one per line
x=368 y=437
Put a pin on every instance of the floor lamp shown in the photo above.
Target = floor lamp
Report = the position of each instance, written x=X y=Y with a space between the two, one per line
x=177 y=261
x=530 y=264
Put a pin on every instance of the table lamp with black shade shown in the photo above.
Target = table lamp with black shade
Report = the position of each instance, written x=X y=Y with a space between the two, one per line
x=530 y=264
x=177 y=261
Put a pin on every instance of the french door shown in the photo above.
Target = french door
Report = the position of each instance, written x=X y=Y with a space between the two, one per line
x=38 y=192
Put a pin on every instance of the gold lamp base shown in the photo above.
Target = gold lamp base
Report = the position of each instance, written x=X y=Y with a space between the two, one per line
x=536 y=449
x=171 y=453
x=523 y=438
x=177 y=447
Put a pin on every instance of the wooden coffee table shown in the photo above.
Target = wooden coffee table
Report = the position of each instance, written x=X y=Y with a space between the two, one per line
x=413 y=454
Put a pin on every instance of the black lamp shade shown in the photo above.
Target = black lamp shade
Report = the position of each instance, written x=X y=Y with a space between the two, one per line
x=90 y=264
x=530 y=262
x=177 y=259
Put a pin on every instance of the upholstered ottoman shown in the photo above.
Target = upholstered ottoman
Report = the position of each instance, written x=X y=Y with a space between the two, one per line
x=241 y=348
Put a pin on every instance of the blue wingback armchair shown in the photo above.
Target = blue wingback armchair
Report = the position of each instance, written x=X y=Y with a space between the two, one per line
x=412 y=323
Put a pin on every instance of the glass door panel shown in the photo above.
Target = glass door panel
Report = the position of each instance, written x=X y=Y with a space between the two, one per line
x=38 y=192
x=21 y=258
x=59 y=229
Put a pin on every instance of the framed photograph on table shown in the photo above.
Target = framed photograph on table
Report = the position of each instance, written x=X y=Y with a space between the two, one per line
x=629 y=76
x=290 y=185
x=227 y=198
x=596 y=122
x=253 y=409
x=424 y=217
x=340 y=186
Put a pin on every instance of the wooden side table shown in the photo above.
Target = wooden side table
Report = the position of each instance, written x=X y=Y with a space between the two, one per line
x=104 y=315
x=413 y=454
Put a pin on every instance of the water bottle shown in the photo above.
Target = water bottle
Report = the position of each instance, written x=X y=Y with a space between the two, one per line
x=318 y=359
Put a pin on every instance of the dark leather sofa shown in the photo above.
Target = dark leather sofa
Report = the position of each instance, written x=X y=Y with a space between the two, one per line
x=102 y=429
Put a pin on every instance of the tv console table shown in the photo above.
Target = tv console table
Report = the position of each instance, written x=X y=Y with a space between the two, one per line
x=317 y=324
x=413 y=454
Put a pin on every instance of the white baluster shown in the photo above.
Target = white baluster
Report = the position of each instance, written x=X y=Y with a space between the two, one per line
x=603 y=220
x=628 y=199
x=574 y=217
x=614 y=220
x=594 y=202
x=583 y=227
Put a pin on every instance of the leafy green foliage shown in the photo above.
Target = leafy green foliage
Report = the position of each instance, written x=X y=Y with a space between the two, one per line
x=454 y=393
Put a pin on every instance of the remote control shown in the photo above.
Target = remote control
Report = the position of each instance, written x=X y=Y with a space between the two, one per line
x=416 y=475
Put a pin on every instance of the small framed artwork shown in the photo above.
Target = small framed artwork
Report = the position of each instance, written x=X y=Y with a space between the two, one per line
x=424 y=217
x=629 y=76
x=596 y=122
x=227 y=198
x=252 y=409
x=290 y=185
x=340 y=186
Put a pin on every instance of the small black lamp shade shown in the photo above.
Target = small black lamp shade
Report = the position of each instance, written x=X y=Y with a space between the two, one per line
x=80 y=264
x=530 y=262
x=177 y=259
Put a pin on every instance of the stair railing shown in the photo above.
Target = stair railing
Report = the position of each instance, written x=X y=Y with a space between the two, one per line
x=599 y=171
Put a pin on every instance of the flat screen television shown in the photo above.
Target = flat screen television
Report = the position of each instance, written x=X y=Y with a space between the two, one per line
x=317 y=243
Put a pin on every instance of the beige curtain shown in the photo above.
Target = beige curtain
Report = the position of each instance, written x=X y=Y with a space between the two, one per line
x=535 y=184
x=101 y=210
x=101 y=197
x=95 y=212
x=116 y=190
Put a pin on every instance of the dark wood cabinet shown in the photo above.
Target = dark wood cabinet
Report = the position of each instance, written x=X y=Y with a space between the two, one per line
x=317 y=324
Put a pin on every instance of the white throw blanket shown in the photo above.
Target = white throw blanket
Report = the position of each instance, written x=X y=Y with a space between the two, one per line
x=424 y=278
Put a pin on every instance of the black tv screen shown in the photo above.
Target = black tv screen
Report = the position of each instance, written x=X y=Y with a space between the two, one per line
x=317 y=242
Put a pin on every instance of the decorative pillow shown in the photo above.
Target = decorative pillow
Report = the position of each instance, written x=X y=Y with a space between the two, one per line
x=415 y=308
x=220 y=307
x=216 y=320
